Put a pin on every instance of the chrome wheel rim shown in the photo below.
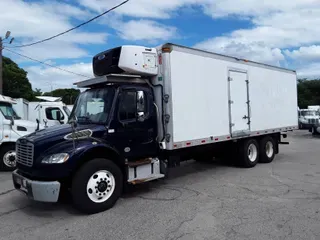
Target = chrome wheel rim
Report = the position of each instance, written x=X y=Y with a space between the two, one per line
x=9 y=159
x=269 y=149
x=252 y=152
x=101 y=186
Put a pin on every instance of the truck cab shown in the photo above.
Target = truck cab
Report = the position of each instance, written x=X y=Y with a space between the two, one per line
x=12 y=127
x=52 y=111
x=113 y=126
x=308 y=118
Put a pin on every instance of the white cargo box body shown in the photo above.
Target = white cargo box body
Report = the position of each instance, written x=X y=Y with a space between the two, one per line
x=211 y=100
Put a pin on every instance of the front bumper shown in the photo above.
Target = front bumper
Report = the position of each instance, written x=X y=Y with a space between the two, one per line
x=306 y=125
x=41 y=191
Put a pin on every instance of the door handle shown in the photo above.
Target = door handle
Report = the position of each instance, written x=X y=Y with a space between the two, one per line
x=245 y=117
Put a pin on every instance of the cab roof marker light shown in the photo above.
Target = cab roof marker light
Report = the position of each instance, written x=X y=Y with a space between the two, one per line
x=166 y=50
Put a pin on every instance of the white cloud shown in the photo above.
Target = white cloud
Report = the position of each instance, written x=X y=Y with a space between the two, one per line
x=255 y=51
x=33 y=21
x=46 y=77
x=142 y=8
x=253 y=8
x=311 y=53
x=311 y=71
x=145 y=30
x=277 y=25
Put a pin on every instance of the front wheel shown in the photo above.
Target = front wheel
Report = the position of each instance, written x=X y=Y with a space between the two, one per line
x=8 y=157
x=97 y=186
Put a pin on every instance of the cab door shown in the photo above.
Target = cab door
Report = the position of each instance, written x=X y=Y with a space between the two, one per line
x=135 y=123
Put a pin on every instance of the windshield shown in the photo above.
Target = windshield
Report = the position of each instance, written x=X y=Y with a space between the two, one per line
x=309 y=113
x=93 y=106
x=66 y=109
x=8 y=111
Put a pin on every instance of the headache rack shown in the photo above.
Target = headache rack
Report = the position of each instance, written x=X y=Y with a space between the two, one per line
x=110 y=78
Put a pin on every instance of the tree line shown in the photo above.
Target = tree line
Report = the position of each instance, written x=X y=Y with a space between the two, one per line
x=16 y=85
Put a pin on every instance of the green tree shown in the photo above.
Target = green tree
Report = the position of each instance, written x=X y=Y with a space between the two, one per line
x=15 y=81
x=69 y=95
x=37 y=92
x=308 y=92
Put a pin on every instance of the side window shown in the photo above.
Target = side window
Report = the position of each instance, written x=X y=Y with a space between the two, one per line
x=51 y=113
x=132 y=105
x=128 y=106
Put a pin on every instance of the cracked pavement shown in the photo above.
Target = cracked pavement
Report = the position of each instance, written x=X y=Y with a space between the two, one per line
x=280 y=200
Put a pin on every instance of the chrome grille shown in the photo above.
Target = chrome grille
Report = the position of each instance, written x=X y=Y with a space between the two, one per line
x=313 y=121
x=24 y=153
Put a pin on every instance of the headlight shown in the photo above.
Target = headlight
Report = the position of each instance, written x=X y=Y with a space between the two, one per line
x=56 y=158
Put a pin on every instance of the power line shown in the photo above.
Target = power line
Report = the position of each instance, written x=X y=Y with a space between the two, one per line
x=71 y=29
x=65 y=70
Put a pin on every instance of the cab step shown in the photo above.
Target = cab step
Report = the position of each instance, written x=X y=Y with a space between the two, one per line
x=144 y=171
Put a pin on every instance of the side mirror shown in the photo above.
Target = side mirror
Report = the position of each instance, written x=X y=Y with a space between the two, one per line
x=38 y=124
x=140 y=106
x=45 y=123
x=59 y=117
x=11 y=120
x=140 y=116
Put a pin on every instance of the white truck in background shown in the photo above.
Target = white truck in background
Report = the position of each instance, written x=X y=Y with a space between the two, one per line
x=308 y=117
x=12 y=127
x=70 y=107
x=51 y=112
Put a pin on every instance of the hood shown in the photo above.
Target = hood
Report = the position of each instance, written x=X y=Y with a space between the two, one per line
x=25 y=123
x=29 y=125
x=58 y=132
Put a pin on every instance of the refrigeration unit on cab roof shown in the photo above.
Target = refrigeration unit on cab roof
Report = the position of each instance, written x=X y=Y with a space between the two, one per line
x=128 y=59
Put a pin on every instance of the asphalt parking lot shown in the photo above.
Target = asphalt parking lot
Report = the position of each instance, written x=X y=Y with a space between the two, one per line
x=280 y=200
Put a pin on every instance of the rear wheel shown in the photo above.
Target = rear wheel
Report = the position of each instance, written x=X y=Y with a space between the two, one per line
x=267 y=149
x=8 y=157
x=97 y=186
x=249 y=153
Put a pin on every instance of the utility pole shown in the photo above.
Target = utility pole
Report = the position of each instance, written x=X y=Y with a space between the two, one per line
x=1 y=64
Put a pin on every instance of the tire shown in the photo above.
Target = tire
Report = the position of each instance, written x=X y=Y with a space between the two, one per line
x=96 y=186
x=314 y=131
x=248 y=153
x=267 y=150
x=8 y=157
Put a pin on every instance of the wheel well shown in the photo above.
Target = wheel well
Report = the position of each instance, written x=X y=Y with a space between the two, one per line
x=8 y=144
x=100 y=152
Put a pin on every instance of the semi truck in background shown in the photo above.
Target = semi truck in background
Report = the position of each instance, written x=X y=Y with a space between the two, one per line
x=155 y=108
x=12 y=127
x=51 y=111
